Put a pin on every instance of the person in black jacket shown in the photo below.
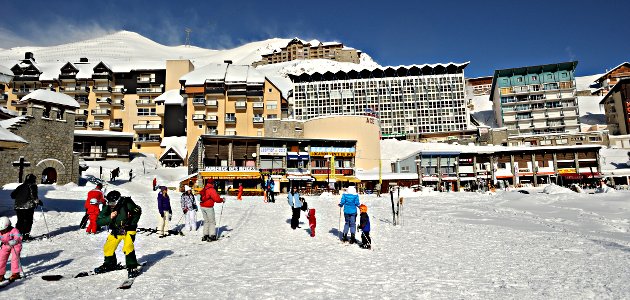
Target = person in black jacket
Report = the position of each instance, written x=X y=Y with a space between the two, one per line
x=26 y=200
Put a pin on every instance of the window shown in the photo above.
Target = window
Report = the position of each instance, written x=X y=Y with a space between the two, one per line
x=60 y=114
x=272 y=104
x=270 y=90
x=200 y=126
x=46 y=112
x=534 y=78
x=147 y=112
x=519 y=79
x=230 y=117
x=272 y=116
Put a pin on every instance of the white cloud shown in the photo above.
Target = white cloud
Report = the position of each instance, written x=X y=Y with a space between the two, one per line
x=57 y=32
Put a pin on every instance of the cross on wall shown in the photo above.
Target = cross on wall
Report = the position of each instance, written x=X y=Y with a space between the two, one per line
x=21 y=163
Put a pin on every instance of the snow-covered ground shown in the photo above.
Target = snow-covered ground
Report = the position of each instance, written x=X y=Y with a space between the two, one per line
x=450 y=245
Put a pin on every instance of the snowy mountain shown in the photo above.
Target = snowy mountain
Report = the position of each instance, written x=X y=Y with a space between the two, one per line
x=126 y=46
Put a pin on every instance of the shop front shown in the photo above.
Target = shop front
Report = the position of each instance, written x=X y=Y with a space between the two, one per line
x=333 y=167
x=227 y=179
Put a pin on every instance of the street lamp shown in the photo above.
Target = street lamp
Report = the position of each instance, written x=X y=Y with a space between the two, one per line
x=328 y=157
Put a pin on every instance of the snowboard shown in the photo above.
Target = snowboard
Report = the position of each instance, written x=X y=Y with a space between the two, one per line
x=129 y=281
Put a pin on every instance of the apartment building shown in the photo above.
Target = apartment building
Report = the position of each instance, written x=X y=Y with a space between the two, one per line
x=407 y=100
x=227 y=99
x=480 y=85
x=607 y=81
x=298 y=49
x=536 y=99
x=616 y=104
x=118 y=112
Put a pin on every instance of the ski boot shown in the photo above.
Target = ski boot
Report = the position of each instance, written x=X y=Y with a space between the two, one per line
x=133 y=272
x=14 y=277
x=205 y=238
x=345 y=238
x=212 y=238
x=352 y=239
x=107 y=268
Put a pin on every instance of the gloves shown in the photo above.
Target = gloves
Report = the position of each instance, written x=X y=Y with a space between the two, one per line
x=340 y=205
x=12 y=243
x=185 y=210
x=162 y=214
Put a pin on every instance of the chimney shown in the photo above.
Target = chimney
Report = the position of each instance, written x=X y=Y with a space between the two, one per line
x=29 y=55
x=83 y=59
x=227 y=61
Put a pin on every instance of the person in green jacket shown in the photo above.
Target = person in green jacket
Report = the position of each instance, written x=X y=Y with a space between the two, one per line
x=122 y=216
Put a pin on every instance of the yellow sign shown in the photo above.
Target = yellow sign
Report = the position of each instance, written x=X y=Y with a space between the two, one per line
x=566 y=171
x=340 y=154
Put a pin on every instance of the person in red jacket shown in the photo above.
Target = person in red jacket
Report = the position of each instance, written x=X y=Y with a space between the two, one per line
x=94 y=198
x=209 y=197
x=240 y=192
x=312 y=221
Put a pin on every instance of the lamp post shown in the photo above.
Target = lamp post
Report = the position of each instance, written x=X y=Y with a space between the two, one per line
x=327 y=157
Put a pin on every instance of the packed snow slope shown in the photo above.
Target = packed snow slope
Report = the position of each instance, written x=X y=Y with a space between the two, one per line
x=450 y=245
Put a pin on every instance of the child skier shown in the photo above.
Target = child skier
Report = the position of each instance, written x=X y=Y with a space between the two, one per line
x=189 y=208
x=364 y=226
x=11 y=244
x=312 y=221
x=94 y=198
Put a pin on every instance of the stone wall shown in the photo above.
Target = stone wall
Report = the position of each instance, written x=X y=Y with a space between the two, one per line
x=284 y=128
x=49 y=145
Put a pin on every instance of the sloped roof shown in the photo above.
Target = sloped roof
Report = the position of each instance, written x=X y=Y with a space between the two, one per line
x=615 y=87
x=211 y=72
x=51 y=97
x=613 y=69
x=9 y=139
x=171 y=97
x=103 y=133
x=236 y=74
x=177 y=143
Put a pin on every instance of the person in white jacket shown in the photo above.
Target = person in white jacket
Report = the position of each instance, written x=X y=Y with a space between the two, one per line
x=189 y=207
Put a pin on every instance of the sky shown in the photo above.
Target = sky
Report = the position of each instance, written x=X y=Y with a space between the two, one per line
x=490 y=34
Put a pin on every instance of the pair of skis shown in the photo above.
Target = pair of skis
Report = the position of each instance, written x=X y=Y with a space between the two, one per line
x=126 y=284
x=150 y=231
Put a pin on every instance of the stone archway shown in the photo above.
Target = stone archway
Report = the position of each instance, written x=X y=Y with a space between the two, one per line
x=49 y=176
x=55 y=164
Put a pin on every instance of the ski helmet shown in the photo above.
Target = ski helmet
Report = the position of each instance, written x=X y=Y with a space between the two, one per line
x=113 y=196
x=4 y=223
x=363 y=208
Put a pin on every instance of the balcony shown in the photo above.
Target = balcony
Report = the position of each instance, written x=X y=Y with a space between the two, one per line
x=4 y=97
x=258 y=120
x=23 y=91
x=144 y=102
x=237 y=92
x=101 y=112
x=104 y=75
x=199 y=101
x=258 y=105
x=241 y=105
x=212 y=103
x=102 y=89
x=152 y=138
x=198 y=117
x=145 y=79
x=104 y=101
x=81 y=113
x=74 y=89
x=68 y=76
x=119 y=89
x=116 y=126
x=118 y=102
x=212 y=119
x=256 y=93
x=26 y=78
x=214 y=90
x=147 y=127
x=231 y=121
x=97 y=124
x=149 y=91
x=80 y=124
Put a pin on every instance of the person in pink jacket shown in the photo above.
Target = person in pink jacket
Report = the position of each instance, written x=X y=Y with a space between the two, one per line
x=11 y=243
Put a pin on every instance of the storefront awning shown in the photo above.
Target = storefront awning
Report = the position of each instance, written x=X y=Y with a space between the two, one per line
x=571 y=176
x=300 y=178
x=229 y=175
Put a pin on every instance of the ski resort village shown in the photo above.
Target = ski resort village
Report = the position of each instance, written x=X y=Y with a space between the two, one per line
x=295 y=168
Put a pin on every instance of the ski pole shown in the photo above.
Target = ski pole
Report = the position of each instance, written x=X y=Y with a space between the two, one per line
x=217 y=232
x=44 y=215
x=178 y=222
x=19 y=260
x=339 y=227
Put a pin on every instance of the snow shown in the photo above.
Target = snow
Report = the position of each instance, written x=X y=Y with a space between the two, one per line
x=171 y=97
x=103 y=133
x=13 y=121
x=553 y=189
x=450 y=245
x=211 y=72
x=177 y=143
x=591 y=113
x=583 y=83
x=236 y=74
x=615 y=159
x=51 y=97
x=285 y=85
x=8 y=136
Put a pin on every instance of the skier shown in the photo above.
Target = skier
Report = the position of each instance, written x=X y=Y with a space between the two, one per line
x=26 y=200
x=270 y=193
x=349 y=202
x=166 y=214
x=154 y=183
x=364 y=226
x=189 y=208
x=312 y=221
x=11 y=241
x=378 y=189
x=296 y=204
x=209 y=197
x=94 y=198
x=239 y=196
x=122 y=216
x=130 y=174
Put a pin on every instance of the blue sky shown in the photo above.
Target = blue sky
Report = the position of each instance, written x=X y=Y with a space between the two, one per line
x=490 y=34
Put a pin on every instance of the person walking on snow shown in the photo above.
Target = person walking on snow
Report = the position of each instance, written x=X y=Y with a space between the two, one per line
x=364 y=226
x=349 y=202
x=209 y=197
x=239 y=196
x=166 y=213
x=312 y=221
x=94 y=198
x=122 y=216
x=154 y=183
x=10 y=245
x=296 y=205
x=189 y=208
x=26 y=200
x=270 y=193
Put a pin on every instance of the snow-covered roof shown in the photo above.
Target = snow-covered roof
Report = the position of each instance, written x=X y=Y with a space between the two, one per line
x=171 y=97
x=227 y=73
x=211 y=72
x=10 y=122
x=102 y=133
x=236 y=74
x=128 y=66
x=7 y=111
x=611 y=70
x=348 y=67
x=51 y=97
x=590 y=110
x=285 y=85
x=10 y=137
x=5 y=74
x=615 y=159
x=254 y=76
x=177 y=143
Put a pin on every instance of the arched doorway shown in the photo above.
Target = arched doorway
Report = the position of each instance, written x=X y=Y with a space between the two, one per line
x=49 y=175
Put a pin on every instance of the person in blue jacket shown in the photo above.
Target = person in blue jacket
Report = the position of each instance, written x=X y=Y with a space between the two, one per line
x=296 y=205
x=350 y=202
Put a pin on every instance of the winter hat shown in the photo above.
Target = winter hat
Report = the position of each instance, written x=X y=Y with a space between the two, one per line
x=163 y=188
x=113 y=196
x=352 y=190
x=363 y=208
x=186 y=188
x=4 y=223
